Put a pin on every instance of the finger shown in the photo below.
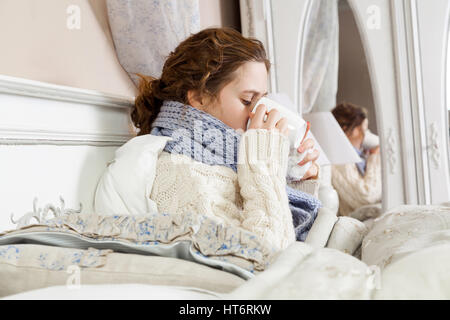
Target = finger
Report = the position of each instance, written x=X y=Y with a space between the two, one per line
x=258 y=117
x=313 y=156
x=308 y=126
x=374 y=150
x=282 y=126
x=272 y=118
x=312 y=172
x=305 y=145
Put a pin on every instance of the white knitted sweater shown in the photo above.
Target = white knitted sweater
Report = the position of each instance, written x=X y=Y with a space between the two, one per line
x=355 y=190
x=254 y=198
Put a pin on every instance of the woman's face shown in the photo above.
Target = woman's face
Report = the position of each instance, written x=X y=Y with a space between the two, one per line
x=357 y=135
x=235 y=100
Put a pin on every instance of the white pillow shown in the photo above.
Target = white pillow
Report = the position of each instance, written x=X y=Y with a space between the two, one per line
x=404 y=230
x=347 y=235
x=304 y=272
x=420 y=275
x=126 y=184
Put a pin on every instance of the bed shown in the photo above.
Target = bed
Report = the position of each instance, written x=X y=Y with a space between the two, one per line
x=403 y=256
x=49 y=250
x=52 y=168
x=56 y=142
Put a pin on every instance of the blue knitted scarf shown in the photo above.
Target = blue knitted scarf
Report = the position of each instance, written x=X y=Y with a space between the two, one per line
x=206 y=139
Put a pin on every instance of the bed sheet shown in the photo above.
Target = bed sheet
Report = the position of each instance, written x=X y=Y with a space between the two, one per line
x=25 y=267
x=116 y=292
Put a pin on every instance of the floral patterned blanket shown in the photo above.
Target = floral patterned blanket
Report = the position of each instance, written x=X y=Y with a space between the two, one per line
x=192 y=237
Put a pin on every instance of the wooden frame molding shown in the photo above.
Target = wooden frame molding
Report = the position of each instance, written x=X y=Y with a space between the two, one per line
x=34 y=112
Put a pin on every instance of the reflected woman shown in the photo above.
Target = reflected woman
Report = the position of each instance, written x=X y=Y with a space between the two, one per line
x=356 y=184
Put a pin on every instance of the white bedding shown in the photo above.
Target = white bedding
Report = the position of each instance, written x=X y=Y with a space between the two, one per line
x=403 y=230
x=300 y=272
x=304 y=272
x=405 y=255
x=116 y=292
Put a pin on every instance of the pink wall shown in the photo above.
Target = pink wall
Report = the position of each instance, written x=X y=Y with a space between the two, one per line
x=41 y=47
x=38 y=45
x=222 y=13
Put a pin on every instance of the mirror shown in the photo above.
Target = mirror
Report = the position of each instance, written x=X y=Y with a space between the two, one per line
x=335 y=77
x=358 y=185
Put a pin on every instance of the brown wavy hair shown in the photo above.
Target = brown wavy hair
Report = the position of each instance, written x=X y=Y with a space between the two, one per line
x=204 y=62
x=349 y=115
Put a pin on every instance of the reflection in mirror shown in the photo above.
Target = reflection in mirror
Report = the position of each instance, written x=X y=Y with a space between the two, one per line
x=358 y=185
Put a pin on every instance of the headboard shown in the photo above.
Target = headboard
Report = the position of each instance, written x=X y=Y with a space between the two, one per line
x=55 y=141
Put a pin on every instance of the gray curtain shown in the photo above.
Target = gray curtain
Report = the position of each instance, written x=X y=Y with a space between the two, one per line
x=321 y=57
x=146 y=31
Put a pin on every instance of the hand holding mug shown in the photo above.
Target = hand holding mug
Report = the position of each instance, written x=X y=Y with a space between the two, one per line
x=274 y=120
x=311 y=156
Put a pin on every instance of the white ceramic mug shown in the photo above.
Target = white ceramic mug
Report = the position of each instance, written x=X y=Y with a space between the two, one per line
x=296 y=125
x=370 y=140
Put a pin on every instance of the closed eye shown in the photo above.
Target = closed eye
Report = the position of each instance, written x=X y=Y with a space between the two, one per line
x=245 y=102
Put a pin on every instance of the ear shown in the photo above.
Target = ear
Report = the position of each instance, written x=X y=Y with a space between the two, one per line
x=195 y=99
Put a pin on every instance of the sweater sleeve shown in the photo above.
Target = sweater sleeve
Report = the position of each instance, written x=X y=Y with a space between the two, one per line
x=355 y=189
x=369 y=187
x=262 y=166
x=310 y=186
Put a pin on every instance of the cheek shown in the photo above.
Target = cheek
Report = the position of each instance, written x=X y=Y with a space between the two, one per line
x=239 y=114
x=361 y=136
x=233 y=112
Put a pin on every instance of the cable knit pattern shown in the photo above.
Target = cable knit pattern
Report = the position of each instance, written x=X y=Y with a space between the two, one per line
x=183 y=185
x=355 y=190
x=255 y=198
x=262 y=166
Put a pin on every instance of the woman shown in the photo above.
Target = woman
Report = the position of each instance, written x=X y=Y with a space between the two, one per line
x=356 y=184
x=212 y=166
